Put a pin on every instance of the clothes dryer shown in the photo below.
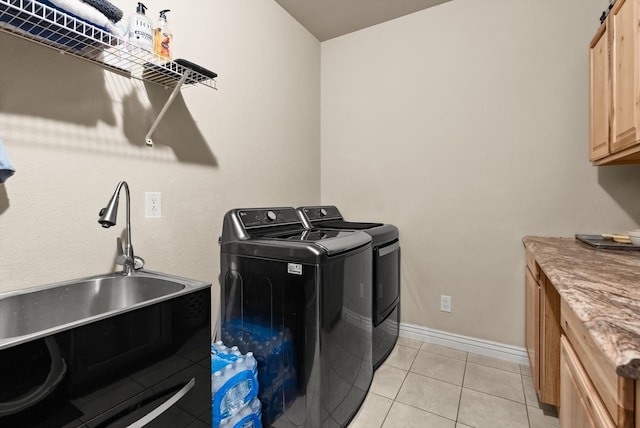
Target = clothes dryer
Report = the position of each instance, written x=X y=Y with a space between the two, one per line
x=300 y=300
x=386 y=272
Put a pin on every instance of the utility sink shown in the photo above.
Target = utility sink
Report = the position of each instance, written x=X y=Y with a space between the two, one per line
x=39 y=311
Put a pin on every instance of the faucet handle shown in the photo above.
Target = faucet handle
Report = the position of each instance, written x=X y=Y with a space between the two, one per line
x=138 y=262
x=120 y=258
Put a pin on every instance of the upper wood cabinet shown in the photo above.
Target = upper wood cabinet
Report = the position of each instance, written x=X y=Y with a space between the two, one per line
x=599 y=95
x=614 y=71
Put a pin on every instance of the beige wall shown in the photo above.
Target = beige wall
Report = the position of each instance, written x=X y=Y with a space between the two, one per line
x=466 y=125
x=73 y=131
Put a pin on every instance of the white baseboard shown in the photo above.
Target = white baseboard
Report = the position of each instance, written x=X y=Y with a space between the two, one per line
x=488 y=348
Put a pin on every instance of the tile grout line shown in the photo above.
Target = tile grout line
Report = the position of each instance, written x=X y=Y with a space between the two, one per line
x=494 y=367
x=526 y=406
x=386 y=415
x=444 y=355
x=466 y=360
x=496 y=396
x=394 y=397
x=424 y=411
x=461 y=389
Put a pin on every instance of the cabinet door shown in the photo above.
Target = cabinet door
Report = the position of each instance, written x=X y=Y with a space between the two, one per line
x=599 y=95
x=616 y=393
x=624 y=76
x=581 y=406
x=532 y=325
x=549 y=360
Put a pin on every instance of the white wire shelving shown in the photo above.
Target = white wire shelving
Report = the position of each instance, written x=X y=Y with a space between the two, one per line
x=48 y=26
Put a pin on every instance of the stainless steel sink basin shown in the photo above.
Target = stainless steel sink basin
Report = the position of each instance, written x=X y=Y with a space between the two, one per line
x=39 y=311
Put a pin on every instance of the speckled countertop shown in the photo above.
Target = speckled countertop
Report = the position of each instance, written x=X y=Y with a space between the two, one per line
x=603 y=288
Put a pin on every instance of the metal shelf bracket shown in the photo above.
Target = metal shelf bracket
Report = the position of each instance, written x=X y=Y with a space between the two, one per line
x=166 y=106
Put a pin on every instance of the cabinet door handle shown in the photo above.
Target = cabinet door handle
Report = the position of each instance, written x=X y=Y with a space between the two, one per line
x=164 y=406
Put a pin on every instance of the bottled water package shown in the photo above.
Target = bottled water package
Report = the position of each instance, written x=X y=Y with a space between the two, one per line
x=276 y=362
x=234 y=381
x=248 y=417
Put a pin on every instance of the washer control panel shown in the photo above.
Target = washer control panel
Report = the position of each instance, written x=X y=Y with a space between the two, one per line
x=268 y=217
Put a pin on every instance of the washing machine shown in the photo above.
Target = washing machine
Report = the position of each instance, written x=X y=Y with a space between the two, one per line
x=385 y=272
x=301 y=300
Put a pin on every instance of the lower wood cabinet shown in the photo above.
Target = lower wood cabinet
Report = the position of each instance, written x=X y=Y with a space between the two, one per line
x=549 y=343
x=581 y=405
x=570 y=370
x=532 y=326
x=542 y=326
x=602 y=387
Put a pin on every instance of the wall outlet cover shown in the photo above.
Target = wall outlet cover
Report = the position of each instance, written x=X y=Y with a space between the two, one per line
x=153 y=204
x=445 y=303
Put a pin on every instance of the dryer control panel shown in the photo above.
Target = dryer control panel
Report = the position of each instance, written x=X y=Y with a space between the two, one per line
x=325 y=212
x=268 y=217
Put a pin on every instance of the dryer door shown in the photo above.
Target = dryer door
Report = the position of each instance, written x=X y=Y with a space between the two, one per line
x=387 y=280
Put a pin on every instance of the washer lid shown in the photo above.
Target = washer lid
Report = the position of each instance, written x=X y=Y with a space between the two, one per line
x=309 y=234
x=341 y=224
x=333 y=241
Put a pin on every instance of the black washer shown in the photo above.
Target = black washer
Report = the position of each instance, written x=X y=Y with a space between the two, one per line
x=300 y=300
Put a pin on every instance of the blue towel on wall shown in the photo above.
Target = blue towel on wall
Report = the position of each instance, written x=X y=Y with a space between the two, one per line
x=6 y=168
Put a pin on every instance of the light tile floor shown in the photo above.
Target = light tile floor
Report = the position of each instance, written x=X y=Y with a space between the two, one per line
x=425 y=385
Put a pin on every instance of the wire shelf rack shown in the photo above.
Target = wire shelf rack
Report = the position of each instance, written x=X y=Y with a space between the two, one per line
x=38 y=22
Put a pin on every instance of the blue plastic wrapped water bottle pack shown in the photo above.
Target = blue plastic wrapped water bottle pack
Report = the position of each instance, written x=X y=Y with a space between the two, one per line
x=275 y=356
x=234 y=382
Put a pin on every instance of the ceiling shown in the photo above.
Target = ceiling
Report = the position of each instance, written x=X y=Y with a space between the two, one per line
x=327 y=19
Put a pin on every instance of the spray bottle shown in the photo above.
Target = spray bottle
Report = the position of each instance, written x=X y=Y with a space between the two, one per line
x=141 y=29
x=162 y=37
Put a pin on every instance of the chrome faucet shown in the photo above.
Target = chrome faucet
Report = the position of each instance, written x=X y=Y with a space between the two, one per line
x=107 y=219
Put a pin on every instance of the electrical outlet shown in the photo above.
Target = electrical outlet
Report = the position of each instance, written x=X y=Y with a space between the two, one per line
x=153 y=204
x=445 y=303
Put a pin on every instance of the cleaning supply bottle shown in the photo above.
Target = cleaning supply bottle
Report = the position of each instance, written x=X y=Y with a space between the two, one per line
x=141 y=29
x=162 y=37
